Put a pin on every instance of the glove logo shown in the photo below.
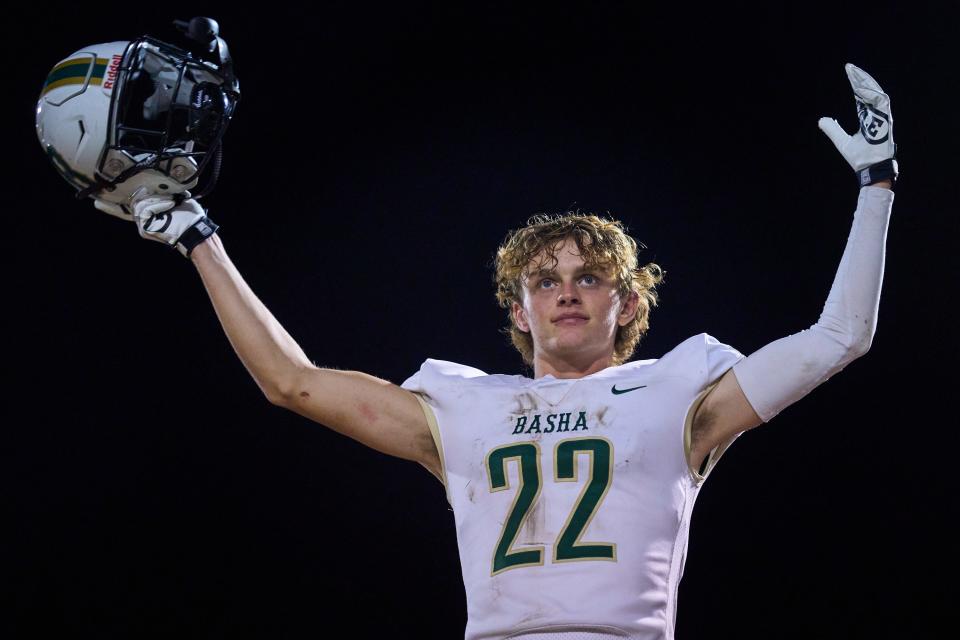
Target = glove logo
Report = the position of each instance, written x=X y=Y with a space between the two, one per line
x=874 y=125
x=158 y=223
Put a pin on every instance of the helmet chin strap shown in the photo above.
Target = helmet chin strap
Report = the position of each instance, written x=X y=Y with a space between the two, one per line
x=109 y=185
x=215 y=163
x=145 y=161
x=113 y=209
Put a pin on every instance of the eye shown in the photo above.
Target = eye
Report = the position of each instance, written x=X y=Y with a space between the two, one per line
x=546 y=283
x=589 y=279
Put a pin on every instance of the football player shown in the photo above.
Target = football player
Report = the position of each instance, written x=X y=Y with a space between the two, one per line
x=572 y=491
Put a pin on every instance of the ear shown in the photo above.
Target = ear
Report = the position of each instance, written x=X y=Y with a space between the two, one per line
x=628 y=309
x=519 y=316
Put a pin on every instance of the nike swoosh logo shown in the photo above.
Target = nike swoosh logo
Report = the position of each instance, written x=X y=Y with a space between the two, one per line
x=617 y=392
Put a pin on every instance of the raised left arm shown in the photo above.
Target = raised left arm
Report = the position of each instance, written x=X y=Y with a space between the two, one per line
x=767 y=381
x=760 y=386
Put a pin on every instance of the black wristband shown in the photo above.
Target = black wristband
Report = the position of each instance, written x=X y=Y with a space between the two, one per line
x=200 y=231
x=886 y=170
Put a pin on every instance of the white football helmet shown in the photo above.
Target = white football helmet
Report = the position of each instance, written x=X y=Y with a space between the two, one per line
x=135 y=117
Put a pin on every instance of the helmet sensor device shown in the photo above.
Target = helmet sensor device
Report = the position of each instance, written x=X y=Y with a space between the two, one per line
x=123 y=117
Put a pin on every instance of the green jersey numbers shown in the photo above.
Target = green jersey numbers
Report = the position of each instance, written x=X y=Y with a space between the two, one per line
x=568 y=547
x=594 y=490
x=527 y=455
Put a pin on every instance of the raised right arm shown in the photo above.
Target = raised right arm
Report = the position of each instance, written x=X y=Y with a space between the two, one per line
x=372 y=411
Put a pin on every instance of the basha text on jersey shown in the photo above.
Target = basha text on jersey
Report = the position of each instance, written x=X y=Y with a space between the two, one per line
x=552 y=422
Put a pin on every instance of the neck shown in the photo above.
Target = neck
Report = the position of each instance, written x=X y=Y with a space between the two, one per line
x=570 y=366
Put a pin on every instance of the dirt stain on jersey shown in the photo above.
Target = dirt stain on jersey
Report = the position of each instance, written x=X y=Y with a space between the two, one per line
x=534 y=524
x=536 y=614
x=495 y=587
x=601 y=414
x=525 y=403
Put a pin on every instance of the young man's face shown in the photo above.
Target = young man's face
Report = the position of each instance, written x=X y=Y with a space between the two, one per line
x=571 y=311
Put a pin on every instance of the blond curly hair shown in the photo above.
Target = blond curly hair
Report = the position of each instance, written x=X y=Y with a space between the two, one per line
x=603 y=243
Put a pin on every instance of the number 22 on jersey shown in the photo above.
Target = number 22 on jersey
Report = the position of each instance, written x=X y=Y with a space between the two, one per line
x=526 y=455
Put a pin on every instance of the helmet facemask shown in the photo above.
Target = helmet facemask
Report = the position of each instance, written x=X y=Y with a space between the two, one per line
x=168 y=114
x=143 y=117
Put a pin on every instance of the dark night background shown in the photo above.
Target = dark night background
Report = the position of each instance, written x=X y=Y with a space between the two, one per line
x=377 y=158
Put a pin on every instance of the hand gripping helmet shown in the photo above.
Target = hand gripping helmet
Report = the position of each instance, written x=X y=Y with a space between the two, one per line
x=139 y=117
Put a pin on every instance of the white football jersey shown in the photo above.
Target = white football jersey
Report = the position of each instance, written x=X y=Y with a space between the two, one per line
x=572 y=498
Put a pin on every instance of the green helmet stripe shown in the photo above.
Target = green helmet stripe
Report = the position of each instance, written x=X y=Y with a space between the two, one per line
x=74 y=71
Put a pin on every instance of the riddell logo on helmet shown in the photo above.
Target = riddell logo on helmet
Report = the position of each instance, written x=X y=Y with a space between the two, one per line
x=110 y=78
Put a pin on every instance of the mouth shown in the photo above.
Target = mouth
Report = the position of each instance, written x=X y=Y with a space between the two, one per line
x=571 y=319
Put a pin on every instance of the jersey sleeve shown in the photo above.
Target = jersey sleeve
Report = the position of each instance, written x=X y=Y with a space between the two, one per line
x=715 y=359
x=439 y=377
x=718 y=358
x=434 y=385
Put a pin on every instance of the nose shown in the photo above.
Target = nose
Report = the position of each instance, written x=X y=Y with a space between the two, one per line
x=568 y=295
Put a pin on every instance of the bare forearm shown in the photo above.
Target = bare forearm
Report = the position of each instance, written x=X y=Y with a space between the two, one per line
x=263 y=345
x=372 y=411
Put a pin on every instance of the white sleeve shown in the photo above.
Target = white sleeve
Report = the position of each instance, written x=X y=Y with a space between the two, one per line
x=787 y=369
